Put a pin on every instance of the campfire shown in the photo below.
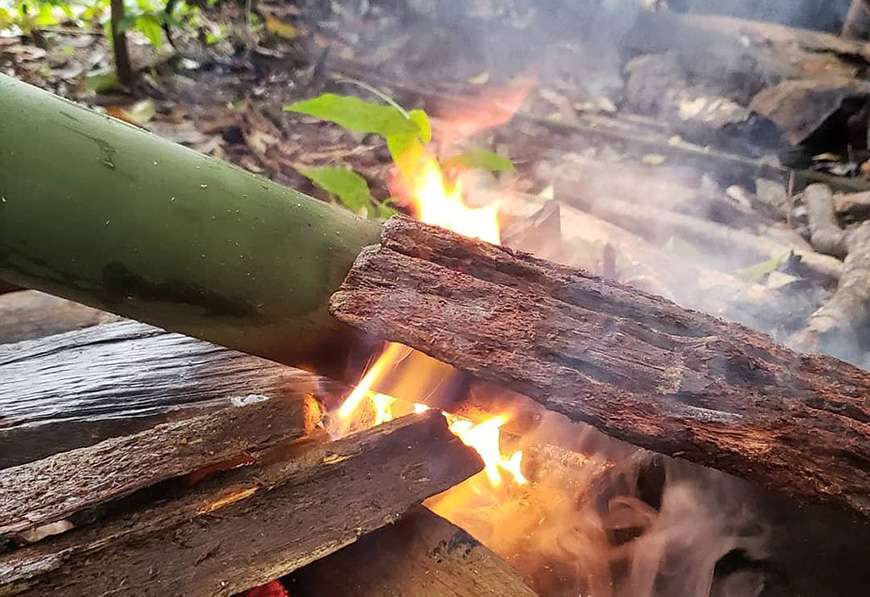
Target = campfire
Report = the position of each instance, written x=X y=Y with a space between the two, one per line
x=577 y=372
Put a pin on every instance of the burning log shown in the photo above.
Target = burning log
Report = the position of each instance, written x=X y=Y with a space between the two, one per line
x=247 y=526
x=636 y=366
x=30 y=314
x=68 y=485
x=71 y=390
x=124 y=221
x=422 y=555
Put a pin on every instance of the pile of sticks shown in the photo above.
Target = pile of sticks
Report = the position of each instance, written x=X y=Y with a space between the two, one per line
x=139 y=460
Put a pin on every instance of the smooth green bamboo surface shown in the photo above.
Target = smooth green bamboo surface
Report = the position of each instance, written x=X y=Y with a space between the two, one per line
x=103 y=213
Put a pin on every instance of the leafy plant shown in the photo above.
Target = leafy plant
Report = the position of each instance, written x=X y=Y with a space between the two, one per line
x=349 y=188
x=406 y=132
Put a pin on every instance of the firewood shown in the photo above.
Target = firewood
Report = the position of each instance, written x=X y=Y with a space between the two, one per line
x=656 y=225
x=835 y=326
x=634 y=365
x=29 y=314
x=55 y=489
x=247 y=526
x=422 y=555
x=76 y=389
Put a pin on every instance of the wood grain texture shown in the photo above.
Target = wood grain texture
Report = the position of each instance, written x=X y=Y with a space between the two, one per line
x=29 y=314
x=634 y=365
x=250 y=525
x=76 y=389
x=56 y=488
x=422 y=555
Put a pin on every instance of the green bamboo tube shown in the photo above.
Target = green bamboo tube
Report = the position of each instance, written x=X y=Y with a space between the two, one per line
x=100 y=212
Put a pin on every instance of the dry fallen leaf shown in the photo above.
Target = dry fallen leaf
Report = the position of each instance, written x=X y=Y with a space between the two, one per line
x=280 y=28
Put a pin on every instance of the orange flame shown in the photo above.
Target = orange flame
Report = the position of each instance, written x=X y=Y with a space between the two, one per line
x=435 y=201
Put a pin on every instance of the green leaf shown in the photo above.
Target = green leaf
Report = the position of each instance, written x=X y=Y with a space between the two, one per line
x=45 y=18
x=151 y=27
x=424 y=127
x=357 y=115
x=6 y=19
x=350 y=188
x=481 y=159
x=759 y=271
x=102 y=82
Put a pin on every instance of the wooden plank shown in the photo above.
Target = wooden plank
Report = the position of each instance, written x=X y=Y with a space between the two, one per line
x=422 y=555
x=76 y=389
x=636 y=366
x=248 y=526
x=56 y=488
x=29 y=314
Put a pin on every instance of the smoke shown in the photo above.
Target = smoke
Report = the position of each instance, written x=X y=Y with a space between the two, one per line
x=619 y=522
x=601 y=518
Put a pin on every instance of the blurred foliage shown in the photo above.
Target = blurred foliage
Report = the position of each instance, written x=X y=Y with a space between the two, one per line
x=147 y=17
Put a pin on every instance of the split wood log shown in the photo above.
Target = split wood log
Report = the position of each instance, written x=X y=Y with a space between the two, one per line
x=422 y=555
x=634 y=365
x=66 y=485
x=247 y=526
x=29 y=314
x=75 y=389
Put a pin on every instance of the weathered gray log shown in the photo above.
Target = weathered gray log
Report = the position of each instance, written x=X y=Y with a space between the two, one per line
x=76 y=389
x=422 y=555
x=634 y=365
x=55 y=489
x=835 y=326
x=717 y=240
x=29 y=314
x=250 y=525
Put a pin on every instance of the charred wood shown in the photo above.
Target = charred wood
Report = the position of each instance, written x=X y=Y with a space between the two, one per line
x=66 y=486
x=422 y=555
x=29 y=314
x=247 y=526
x=76 y=389
x=634 y=365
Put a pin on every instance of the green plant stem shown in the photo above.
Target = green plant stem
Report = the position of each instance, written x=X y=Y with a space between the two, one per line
x=119 y=44
x=103 y=213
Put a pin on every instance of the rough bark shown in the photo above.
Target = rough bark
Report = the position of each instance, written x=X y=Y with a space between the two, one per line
x=250 y=525
x=72 y=483
x=634 y=365
x=124 y=221
x=422 y=555
x=76 y=389
x=29 y=314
